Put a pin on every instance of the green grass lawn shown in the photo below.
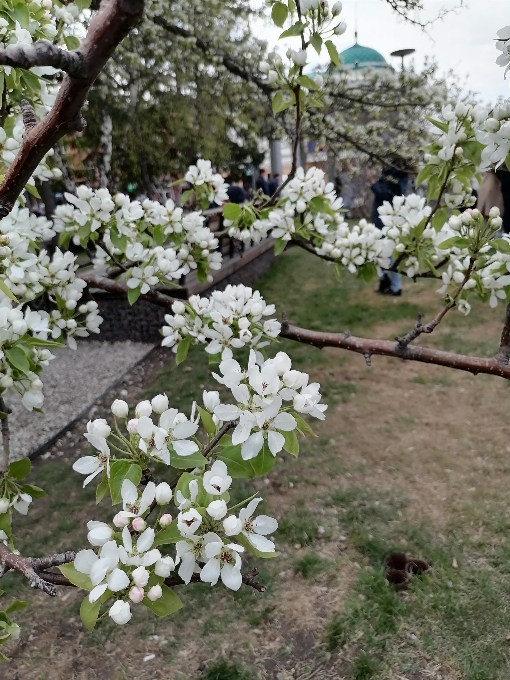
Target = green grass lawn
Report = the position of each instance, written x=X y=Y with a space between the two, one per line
x=410 y=458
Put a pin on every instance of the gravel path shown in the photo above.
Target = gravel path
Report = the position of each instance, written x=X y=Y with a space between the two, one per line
x=72 y=382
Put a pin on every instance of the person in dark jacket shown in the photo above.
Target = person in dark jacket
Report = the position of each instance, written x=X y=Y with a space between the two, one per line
x=391 y=183
x=274 y=183
x=261 y=182
x=236 y=194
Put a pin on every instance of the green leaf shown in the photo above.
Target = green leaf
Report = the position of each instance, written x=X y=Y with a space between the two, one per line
x=501 y=244
x=291 y=443
x=22 y=15
x=5 y=522
x=169 y=534
x=19 y=469
x=133 y=295
x=187 y=462
x=241 y=538
x=76 y=577
x=316 y=42
x=102 y=488
x=279 y=104
x=237 y=467
x=72 y=43
x=333 y=53
x=279 y=14
x=264 y=462
x=158 y=234
x=207 y=421
x=167 y=604
x=31 y=188
x=119 y=471
x=295 y=29
x=34 y=491
x=279 y=246
x=425 y=173
x=182 y=350
x=89 y=613
x=232 y=211
x=16 y=606
x=82 y=4
x=442 y=126
x=449 y=243
x=18 y=359
x=276 y=102
x=439 y=219
x=306 y=81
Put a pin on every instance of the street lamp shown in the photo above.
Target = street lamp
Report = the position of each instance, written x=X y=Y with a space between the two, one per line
x=402 y=54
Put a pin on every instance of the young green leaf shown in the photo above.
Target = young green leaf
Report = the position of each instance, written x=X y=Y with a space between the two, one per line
x=169 y=534
x=18 y=359
x=19 y=469
x=182 y=350
x=291 y=443
x=89 y=613
x=76 y=577
x=279 y=14
x=237 y=467
x=167 y=604
x=134 y=294
x=333 y=53
x=316 y=42
x=207 y=421
x=119 y=471
x=264 y=462
x=279 y=246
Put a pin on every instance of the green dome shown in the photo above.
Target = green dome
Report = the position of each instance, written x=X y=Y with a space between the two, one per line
x=359 y=57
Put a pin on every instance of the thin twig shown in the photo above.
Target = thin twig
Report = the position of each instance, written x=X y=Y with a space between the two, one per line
x=223 y=430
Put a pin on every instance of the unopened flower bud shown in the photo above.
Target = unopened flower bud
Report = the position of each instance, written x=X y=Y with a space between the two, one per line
x=494 y=212
x=497 y=222
x=336 y=9
x=132 y=426
x=341 y=28
x=120 y=612
x=178 y=307
x=136 y=594
x=211 y=399
x=232 y=525
x=164 y=566
x=140 y=576
x=160 y=403
x=144 y=408
x=138 y=524
x=120 y=409
x=163 y=493
x=459 y=151
x=4 y=505
x=217 y=509
x=155 y=593
x=272 y=77
x=120 y=521
x=319 y=80
x=165 y=520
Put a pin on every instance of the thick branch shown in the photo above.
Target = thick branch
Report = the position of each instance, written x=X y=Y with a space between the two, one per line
x=369 y=347
x=29 y=566
x=43 y=53
x=101 y=282
x=107 y=29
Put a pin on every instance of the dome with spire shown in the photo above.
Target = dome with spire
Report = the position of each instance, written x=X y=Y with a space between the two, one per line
x=359 y=57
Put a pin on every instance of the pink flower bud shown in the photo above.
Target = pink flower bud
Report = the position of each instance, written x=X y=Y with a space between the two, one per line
x=165 y=520
x=139 y=524
x=120 y=521
x=136 y=594
x=155 y=593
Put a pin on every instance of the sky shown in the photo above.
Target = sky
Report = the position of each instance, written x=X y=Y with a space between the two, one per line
x=462 y=41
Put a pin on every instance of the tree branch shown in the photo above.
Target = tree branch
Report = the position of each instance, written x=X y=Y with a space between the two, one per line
x=43 y=53
x=28 y=567
x=503 y=356
x=223 y=430
x=4 y=458
x=106 y=30
x=248 y=580
x=369 y=347
x=101 y=282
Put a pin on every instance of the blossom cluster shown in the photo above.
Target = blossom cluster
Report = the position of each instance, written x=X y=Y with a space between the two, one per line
x=503 y=45
x=494 y=134
x=260 y=393
x=161 y=241
x=232 y=318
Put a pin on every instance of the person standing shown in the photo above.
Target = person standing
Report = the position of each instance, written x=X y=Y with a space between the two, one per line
x=261 y=182
x=274 y=183
x=392 y=182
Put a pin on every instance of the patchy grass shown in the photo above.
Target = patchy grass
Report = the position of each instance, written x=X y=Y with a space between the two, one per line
x=410 y=458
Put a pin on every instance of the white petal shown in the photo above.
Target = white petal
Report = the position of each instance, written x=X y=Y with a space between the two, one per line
x=184 y=447
x=118 y=580
x=145 y=540
x=261 y=543
x=275 y=441
x=96 y=593
x=285 y=422
x=231 y=577
x=211 y=572
x=98 y=571
x=151 y=557
x=265 y=525
x=185 y=430
x=252 y=446
x=86 y=465
x=84 y=560
x=129 y=492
